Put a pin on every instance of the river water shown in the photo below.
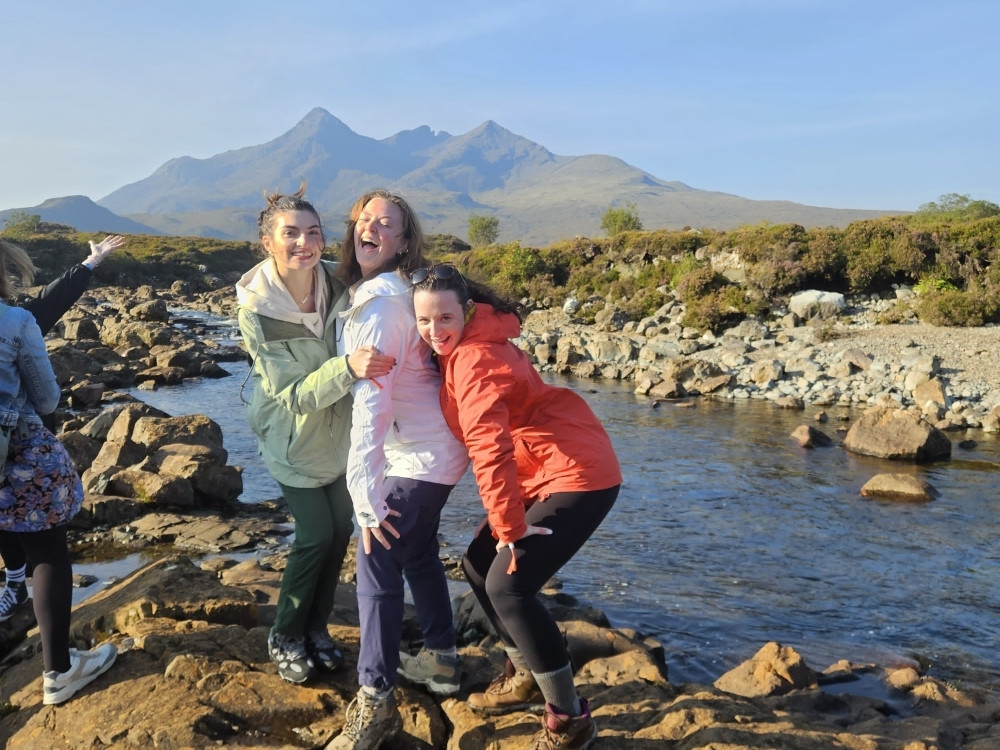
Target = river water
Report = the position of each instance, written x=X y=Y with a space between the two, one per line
x=727 y=535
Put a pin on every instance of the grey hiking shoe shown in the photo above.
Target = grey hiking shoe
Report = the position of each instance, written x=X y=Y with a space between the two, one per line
x=323 y=650
x=439 y=673
x=371 y=720
x=290 y=657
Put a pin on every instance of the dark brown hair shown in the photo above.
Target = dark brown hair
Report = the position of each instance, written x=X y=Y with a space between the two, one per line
x=278 y=204
x=465 y=289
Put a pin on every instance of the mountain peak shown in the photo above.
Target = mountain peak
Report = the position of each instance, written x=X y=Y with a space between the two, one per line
x=68 y=201
x=318 y=120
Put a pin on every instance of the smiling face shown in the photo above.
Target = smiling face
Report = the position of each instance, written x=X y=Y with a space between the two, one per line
x=378 y=235
x=296 y=242
x=440 y=318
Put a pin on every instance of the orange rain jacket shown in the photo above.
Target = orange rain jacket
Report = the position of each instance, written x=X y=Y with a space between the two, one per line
x=527 y=439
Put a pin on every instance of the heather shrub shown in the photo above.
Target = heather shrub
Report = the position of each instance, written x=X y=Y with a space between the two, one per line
x=824 y=260
x=954 y=307
x=721 y=308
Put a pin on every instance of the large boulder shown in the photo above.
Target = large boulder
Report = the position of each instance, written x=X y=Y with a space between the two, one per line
x=891 y=433
x=817 y=304
x=696 y=376
x=774 y=670
x=139 y=452
x=902 y=487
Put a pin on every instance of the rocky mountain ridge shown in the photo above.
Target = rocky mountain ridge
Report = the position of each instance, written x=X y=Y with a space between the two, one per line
x=538 y=197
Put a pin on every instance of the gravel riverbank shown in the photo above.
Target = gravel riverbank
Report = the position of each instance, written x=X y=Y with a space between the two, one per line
x=948 y=375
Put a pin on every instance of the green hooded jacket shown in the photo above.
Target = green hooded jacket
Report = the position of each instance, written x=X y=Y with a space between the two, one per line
x=300 y=409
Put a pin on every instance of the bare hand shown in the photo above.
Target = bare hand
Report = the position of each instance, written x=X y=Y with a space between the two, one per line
x=100 y=250
x=369 y=362
x=529 y=531
x=376 y=531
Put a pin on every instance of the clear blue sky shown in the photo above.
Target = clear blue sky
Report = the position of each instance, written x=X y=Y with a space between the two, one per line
x=877 y=104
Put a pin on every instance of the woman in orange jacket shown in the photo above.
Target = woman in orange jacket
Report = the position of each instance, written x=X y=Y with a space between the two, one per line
x=548 y=476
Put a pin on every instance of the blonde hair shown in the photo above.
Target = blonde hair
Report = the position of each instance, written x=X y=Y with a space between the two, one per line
x=14 y=262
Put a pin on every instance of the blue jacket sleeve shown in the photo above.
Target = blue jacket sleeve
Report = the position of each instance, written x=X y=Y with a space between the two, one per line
x=35 y=369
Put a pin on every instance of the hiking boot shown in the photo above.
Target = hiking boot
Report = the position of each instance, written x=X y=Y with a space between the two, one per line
x=561 y=732
x=371 y=720
x=439 y=673
x=323 y=650
x=14 y=595
x=290 y=657
x=514 y=690
x=84 y=668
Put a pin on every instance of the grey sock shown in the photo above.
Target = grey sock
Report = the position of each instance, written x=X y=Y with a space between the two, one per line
x=559 y=691
x=379 y=694
x=517 y=660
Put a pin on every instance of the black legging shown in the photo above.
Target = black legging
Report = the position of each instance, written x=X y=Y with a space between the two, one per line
x=11 y=550
x=52 y=591
x=509 y=600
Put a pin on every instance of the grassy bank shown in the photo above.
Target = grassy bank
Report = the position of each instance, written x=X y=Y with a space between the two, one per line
x=949 y=255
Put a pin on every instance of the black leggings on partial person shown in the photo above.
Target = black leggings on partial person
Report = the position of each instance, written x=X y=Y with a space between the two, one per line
x=11 y=551
x=510 y=600
x=51 y=591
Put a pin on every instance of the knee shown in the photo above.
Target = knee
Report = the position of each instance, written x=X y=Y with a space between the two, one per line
x=380 y=589
x=500 y=588
x=475 y=578
x=314 y=545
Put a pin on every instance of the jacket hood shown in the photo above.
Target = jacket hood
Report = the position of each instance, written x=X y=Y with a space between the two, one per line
x=490 y=325
x=260 y=291
x=388 y=284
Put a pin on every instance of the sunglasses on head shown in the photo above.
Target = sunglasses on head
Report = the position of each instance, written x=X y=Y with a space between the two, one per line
x=443 y=272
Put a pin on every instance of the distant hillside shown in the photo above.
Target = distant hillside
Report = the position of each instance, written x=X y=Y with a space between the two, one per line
x=538 y=197
x=82 y=213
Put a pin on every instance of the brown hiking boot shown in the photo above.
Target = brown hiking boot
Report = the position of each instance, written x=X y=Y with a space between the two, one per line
x=560 y=732
x=514 y=690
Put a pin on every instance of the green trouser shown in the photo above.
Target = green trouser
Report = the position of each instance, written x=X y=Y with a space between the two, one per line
x=324 y=522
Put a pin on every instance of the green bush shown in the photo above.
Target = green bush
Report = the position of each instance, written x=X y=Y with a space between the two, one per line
x=954 y=307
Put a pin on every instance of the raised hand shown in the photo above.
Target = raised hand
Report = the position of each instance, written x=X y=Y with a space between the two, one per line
x=100 y=250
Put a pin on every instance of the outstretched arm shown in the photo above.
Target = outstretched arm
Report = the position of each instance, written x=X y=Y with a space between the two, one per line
x=59 y=296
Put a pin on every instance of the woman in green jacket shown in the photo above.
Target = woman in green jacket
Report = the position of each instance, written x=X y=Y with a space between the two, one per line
x=300 y=411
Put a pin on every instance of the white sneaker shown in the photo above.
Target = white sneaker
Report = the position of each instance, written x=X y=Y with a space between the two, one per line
x=84 y=668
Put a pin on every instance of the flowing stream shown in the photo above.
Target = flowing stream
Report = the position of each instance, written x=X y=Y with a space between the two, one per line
x=727 y=535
